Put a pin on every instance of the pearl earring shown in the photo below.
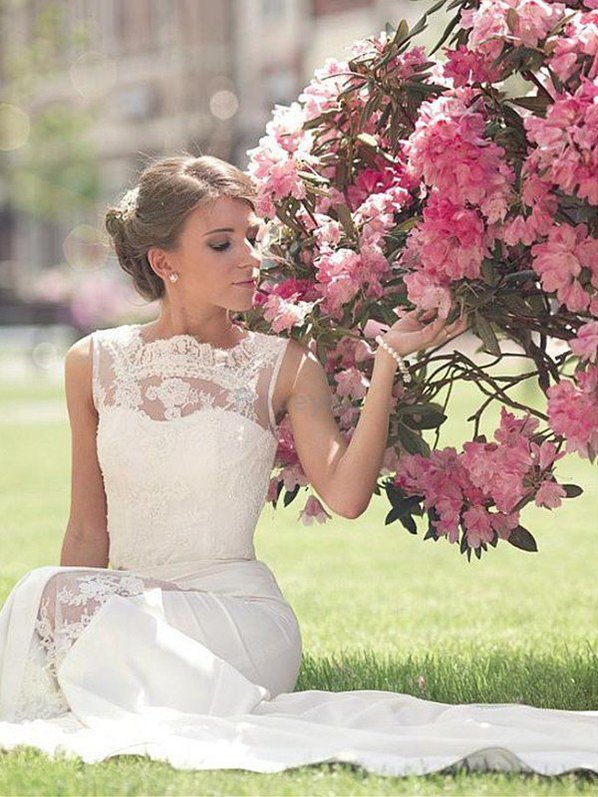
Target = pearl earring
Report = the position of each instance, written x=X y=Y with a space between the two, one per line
x=173 y=277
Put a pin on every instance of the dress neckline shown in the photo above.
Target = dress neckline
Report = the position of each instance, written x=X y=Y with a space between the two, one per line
x=184 y=337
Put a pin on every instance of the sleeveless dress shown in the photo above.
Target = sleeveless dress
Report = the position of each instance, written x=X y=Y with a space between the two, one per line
x=185 y=649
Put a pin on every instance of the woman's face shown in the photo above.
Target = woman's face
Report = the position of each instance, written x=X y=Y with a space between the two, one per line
x=218 y=249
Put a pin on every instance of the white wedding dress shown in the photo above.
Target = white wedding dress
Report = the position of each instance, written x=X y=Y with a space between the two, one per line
x=185 y=649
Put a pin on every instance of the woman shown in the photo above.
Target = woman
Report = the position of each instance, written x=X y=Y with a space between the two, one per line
x=185 y=649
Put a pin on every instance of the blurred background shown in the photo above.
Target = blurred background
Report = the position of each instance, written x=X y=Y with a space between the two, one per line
x=89 y=89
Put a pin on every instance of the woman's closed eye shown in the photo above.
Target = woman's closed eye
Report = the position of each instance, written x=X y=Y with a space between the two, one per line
x=221 y=247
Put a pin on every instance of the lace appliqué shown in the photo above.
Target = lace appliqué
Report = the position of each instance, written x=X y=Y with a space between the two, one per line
x=41 y=696
x=181 y=372
x=174 y=393
x=185 y=443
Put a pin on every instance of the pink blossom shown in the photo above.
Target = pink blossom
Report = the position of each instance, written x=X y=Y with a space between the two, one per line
x=511 y=428
x=313 y=511
x=370 y=181
x=573 y=412
x=286 y=129
x=504 y=523
x=491 y=25
x=566 y=141
x=578 y=39
x=283 y=314
x=478 y=527
x=559 y=261
x=328 y=233
x=449 y=151
x=321 y=94
x=427 y=294
x=585 y=344
x=376 y=215
x=441 y=479
x=339 y=276
x=545 y=455
x=303 y=288
x=352 y=383
x=450 y=242
x=466 y=67
x=549 y=494
x=401 y=66
x=498 y=470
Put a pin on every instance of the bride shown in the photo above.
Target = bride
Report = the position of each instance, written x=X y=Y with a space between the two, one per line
x=184 y=649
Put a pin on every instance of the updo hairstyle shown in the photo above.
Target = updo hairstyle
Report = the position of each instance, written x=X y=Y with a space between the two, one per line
x=153 y=213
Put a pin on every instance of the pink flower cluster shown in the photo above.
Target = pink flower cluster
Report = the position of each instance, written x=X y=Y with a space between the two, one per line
x=573 y=411
x=578 y=42
x=470 y=188
x=463 y=488
x=585 y=343
x=517 y=22
x=561 y=261
x=481 y=187
x=402 y=66
x=275 y=163
x=465 y=67
x=567 y=142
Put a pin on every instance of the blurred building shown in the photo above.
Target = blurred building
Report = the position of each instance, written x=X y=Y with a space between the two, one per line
x=199 y=75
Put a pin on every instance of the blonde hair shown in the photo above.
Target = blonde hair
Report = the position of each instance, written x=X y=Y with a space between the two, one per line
x=154 y=212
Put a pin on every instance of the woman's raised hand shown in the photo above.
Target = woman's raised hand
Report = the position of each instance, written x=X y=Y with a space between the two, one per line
x=408 y=335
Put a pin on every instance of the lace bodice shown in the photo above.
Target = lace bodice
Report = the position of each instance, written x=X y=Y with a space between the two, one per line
x=186 y=442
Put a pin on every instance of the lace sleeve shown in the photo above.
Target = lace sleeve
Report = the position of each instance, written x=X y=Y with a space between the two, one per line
x=277 y=363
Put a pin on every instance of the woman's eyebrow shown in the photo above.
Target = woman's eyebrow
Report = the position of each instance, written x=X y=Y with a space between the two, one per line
x=231 y=229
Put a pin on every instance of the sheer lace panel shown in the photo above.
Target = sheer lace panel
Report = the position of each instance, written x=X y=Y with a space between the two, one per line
x=67 y=606
x=170 y=378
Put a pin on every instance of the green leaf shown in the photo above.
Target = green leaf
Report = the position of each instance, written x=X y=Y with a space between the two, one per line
x=430 y=415
x=401 y=33
x=572 y=490
x=368 y=140
x=290 y=495
x=452 y=24
x=536 y=104
x=393 y=515
x=409 y=523
x=411 y=441
x=486 y=333
x=488 y=272
x=520 y=537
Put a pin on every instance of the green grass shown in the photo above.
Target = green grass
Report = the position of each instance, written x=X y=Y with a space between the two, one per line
x=378 y=608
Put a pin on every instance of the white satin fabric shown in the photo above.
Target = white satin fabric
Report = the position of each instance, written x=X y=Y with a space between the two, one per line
x=186 y=650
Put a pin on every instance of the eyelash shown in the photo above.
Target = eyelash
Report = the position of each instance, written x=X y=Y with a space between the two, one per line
x=222 y=247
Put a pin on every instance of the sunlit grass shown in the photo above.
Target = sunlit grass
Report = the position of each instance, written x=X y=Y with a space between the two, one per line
x=378 y=609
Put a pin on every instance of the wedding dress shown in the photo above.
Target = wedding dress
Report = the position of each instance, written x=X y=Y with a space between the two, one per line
x=185 y=649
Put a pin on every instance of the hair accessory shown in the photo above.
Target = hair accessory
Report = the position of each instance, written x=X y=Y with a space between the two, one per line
x=401 y=362
x=173 y=277
x=128 y=204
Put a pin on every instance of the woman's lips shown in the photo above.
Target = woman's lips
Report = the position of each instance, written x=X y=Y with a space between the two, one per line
x=248 y=283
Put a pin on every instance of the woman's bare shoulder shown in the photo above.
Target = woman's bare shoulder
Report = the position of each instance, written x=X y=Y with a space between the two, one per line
x=78 y=371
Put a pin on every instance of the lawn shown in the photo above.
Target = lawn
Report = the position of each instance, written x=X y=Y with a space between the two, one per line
x=378 y=608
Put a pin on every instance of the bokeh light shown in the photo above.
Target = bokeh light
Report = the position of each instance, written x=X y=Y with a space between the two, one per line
x=224 y=104
x=14 y=127
x=93 y=74
x=85 y=248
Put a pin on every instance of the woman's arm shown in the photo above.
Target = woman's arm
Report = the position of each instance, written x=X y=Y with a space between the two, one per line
x=344 y=475
x=86 y=539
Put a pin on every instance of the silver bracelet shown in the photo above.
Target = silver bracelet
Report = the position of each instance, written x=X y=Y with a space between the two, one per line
x=401 y=362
